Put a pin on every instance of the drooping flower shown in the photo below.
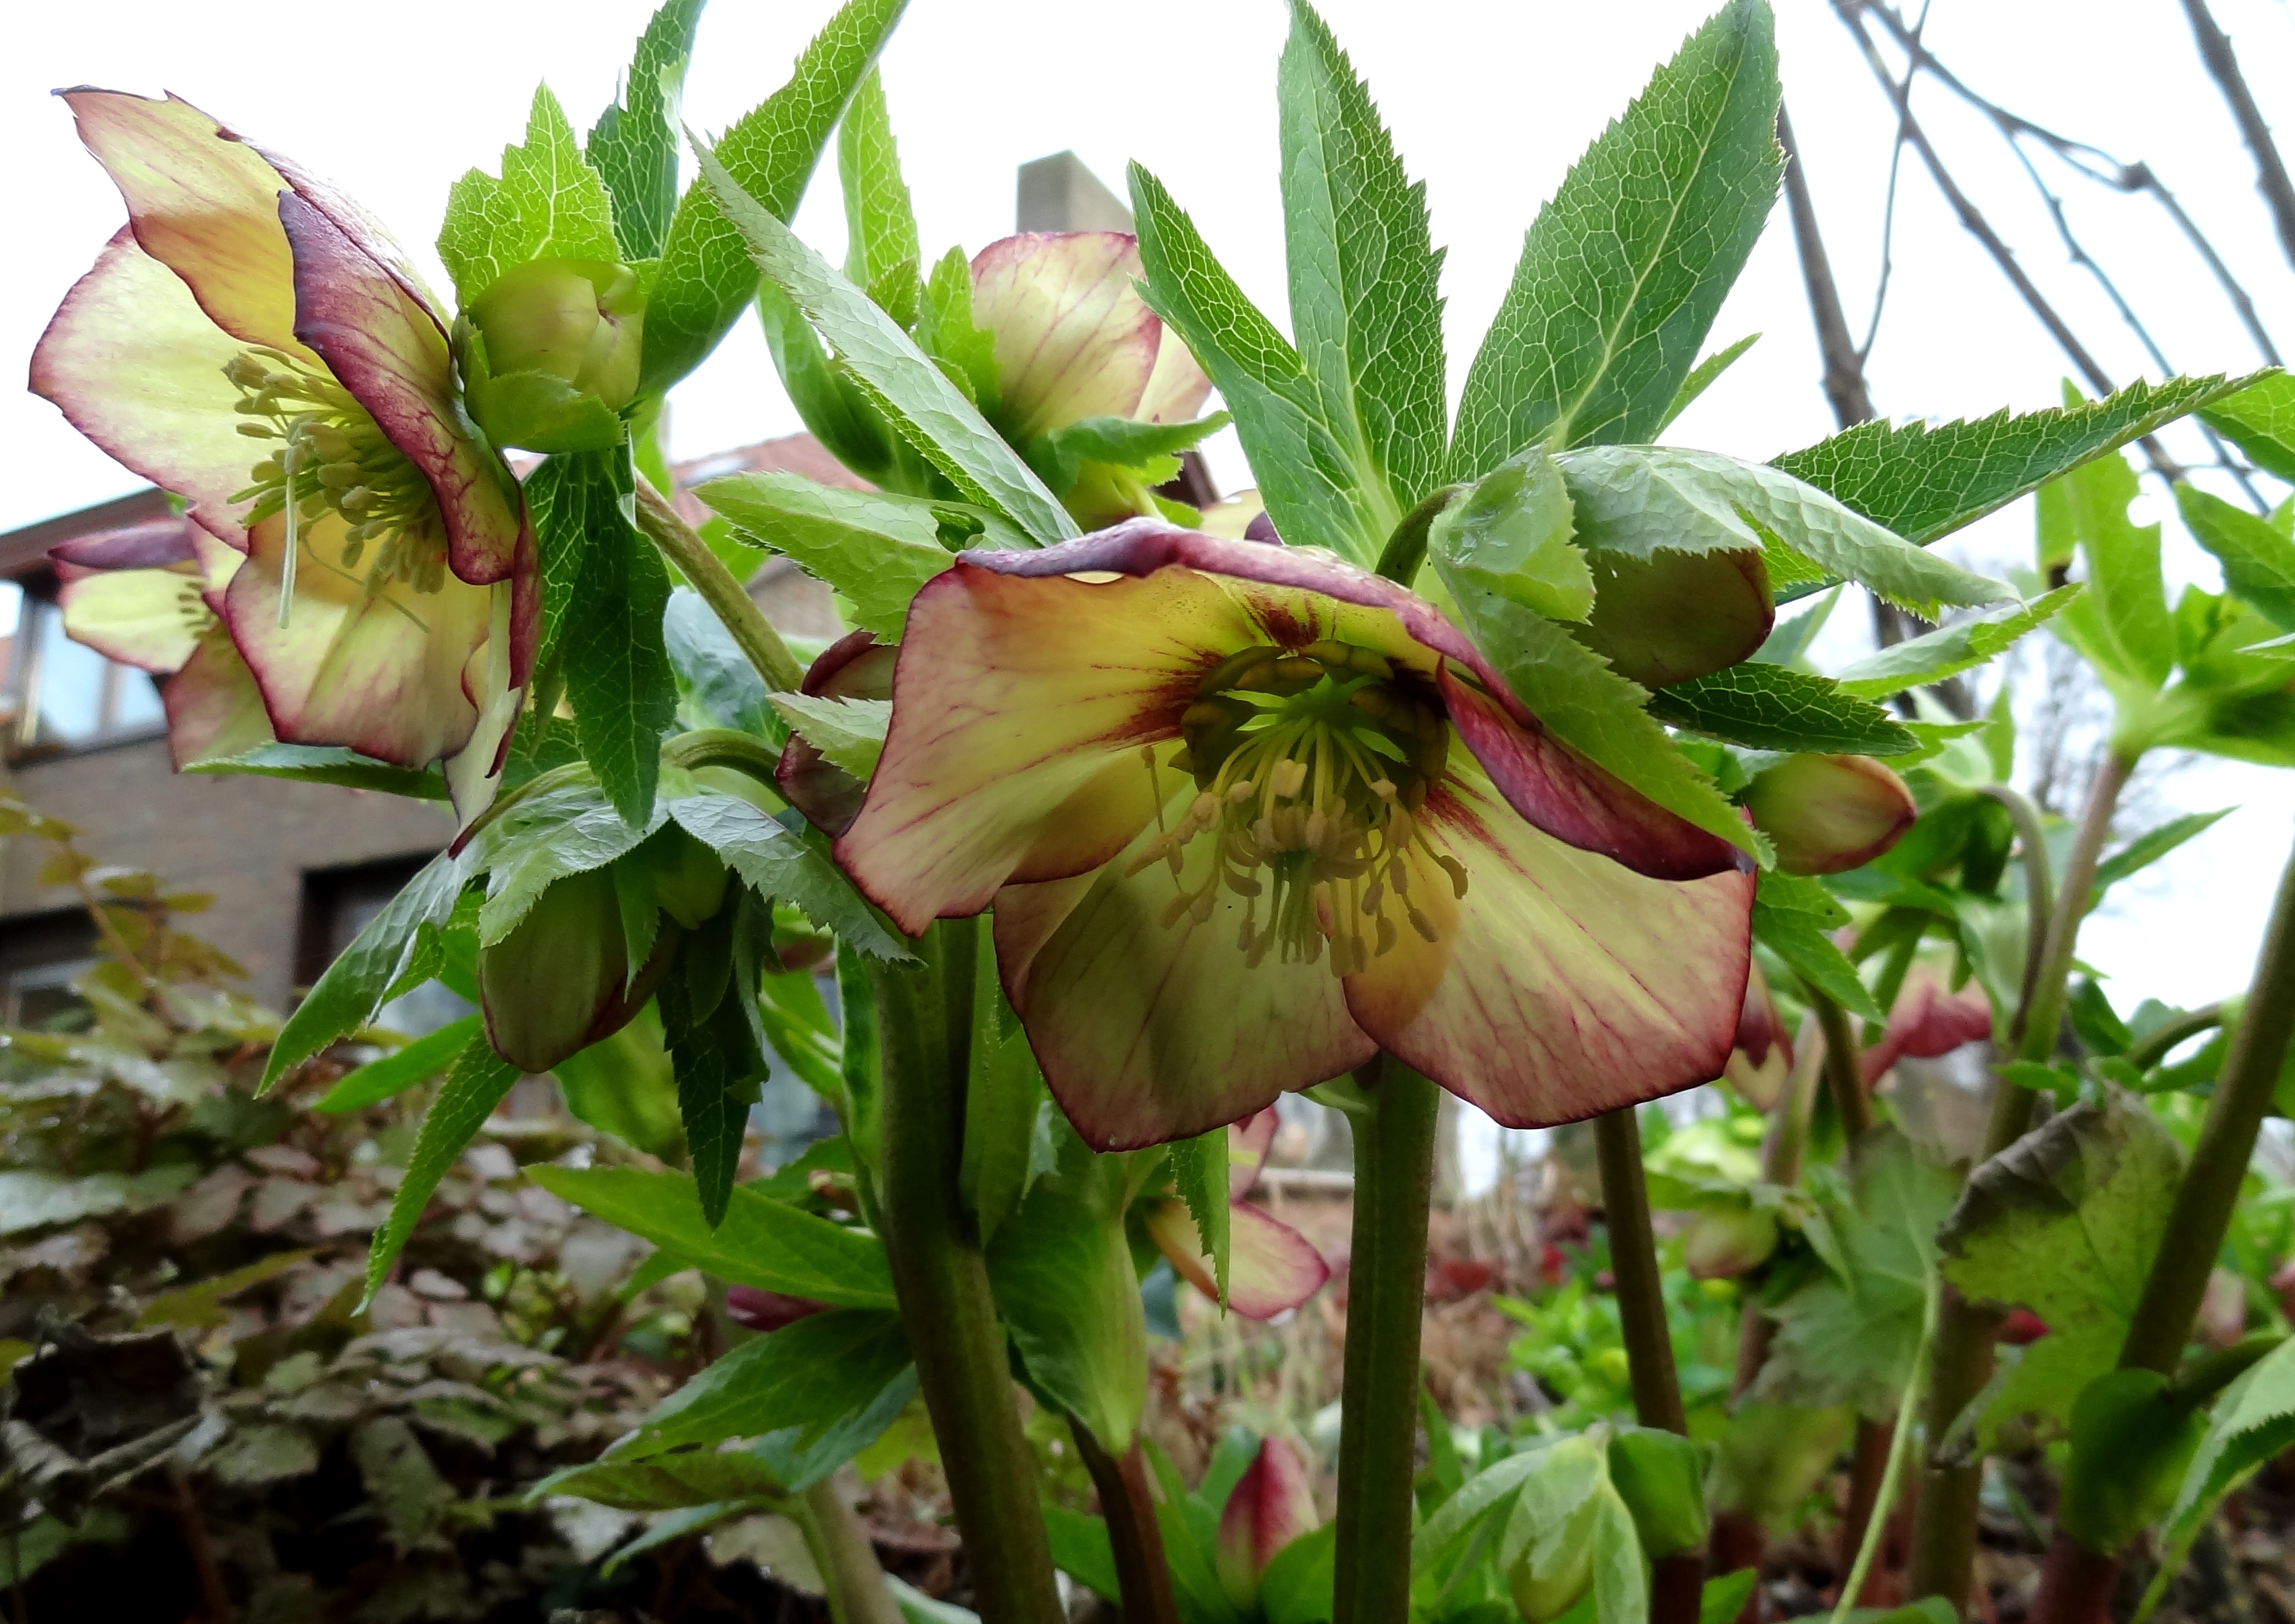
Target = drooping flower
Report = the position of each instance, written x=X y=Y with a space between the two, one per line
x=1249 y=815
x=386 y=598
x=1272 y=1503
x=1271 y=1266
x=1929 y=1020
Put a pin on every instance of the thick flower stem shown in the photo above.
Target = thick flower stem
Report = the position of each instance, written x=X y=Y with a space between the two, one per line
x=2078 y=1581
x=1952 y=1474
x=1133 y=1535
x=857 y=1591
x=1387 y=1294
x=941 y=1279
x=1677 y=1582
x=725 y=596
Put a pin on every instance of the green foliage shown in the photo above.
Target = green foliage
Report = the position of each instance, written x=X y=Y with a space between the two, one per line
x=473 y=1089
x=716 y=685
x=1773 y=707
x=1950 y=650
x=1623 y=271
x=2258 y=560
x=775 y=862
x=708 y=1021
x=543 y=839
x=549 y=203
x=916 y=395
x=634 y=146
x=2065 y=1222
x=329 y=765
x=880 y=225
x=1000 y=1107
x=1792 y=918
x=1151 y=449
x=705 y=276
x=2126 y=595
x=850 y=734
x=1924 y=481
x=1512 y=535
x=2152 y=845
x=1701 y=377
x=1365 y=310
x=2252 y=1423
x=402 y=1069
x=1069 y=1299
x=2131 y=1438
x=1200 y=1170
x=2259 y=419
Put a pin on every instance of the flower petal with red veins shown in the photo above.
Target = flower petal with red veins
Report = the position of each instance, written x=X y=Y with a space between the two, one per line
x=1563 y=985
x=1247 y=1143
x=1015 y=695
x=1929 y=1021
x=201 y=202
x=1073 y=336
x=1270 y=1266
x=135 y=365
x=154 y=544
x=1148 y=1033
x=379 y=673
x=147 y=618
x=384 y=346
x=1178 y=387
x=215 y=710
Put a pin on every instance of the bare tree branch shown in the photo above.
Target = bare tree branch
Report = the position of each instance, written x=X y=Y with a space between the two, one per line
x=2270 y=172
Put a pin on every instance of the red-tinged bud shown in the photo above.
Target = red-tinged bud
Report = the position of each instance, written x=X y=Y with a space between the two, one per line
x=1762 y=1056
x=2022 y=1327
x=1829 y=814
x=1273 y=1503
x=1928 y=1020
x=1675 y=615
x=560 y=981
x=763 y=1311
x=1724 y=1242
x=551 y=353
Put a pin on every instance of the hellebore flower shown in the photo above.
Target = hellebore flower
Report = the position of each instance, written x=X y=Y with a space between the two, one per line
x=1762 y=1056
x=551 y=353
x=1830 y=813
x=1271 y=1266
x=1273 y=1504
x=1929 y=1020
x=1249 y=815
x=386 y=598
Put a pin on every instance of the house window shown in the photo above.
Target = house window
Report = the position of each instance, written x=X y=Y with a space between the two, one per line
x=62 y=694
x=39 y=956
x=338 y=903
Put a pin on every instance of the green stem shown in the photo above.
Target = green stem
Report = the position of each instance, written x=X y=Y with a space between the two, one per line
x=726 y=597
x=855 y=1580
x=1844 y=1066
x=1135 y=1538
x=1386 y=1291
x=2151 y=1049
x=2039 y=884
x=1406 y=549
x=1892 y=1476
x=1676 y=1581
x=1944 y=1521
x=941 y=1279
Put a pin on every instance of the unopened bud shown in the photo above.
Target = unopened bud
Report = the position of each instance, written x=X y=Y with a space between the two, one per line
x=1551 y=1577
x=1655 y=1473
x=1724 y=1242
x=1828 y=813
x=560 y=981
x=551 y=351
x=689 y=879
x=1273 y=1504
x=1674 y=615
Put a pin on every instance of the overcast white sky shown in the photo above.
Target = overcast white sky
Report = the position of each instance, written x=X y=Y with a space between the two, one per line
x=1489 y=102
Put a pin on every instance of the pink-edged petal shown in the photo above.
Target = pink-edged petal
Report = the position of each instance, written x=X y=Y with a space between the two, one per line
x=135 y=365
x=1148 y=1033
x=1271 y=1266
x=148 y=619
x=1074 y=339
x=384 y=346
x=361 y=229
x=1297 y=594
x=1929 y=1020
x=855 y=667
x=201 y=201
x=379 y=673
x=1015 y=749
x=1247 y=1144
x=154 y=544
x=1177 y=388
x=1561 y=985
x=215 y=710
x=1273 y=1504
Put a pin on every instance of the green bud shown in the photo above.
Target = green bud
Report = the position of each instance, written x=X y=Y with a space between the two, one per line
x=689 y=879
x=551 y=353
x=1675 y=615
x=1656 y=1474
x=560 y=981
x=1724 y=1242
x=1830 y=813
x=1553 y=1575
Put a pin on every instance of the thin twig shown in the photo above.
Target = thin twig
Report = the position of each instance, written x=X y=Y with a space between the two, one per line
x=2270 y=171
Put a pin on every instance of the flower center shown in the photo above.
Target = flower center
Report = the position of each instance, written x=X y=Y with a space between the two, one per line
x=331 y=458
x=1310 y=769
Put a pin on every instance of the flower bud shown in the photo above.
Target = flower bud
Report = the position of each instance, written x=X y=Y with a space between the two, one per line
x=1724 y=1242
x=759 y=1310
x=1675 y=615
x=1273 y=1504
x=1828 y=813
x=689 y=879
x=560 y=981
x=1656 y=1474
x=1551 y=1577
x=551 y=353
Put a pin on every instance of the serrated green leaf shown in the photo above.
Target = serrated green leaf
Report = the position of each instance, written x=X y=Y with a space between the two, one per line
x=672 y=1482
x=471 y=1091
x=1065 y=1288
x=634 y=146
x=1595 y=711
x=874 y=548
x=2252 y=1423
x=930 y=412
x=1791 y=918
x=1365 y=309
x=1702 y=375
x=759 y=1243
x=1623 y=271
x=1924 y=481
x=834 y=409
x=880 y=223
x=347 y=995
x=527 y=849
x=1120 y=442
x=1199 y=1173
x=2155 y=844
x=2125 y=588
x=392 y=1074
x=2259 y=419
x=849 y=732
x=549 y=204
x=2258 y=560
x=719 y=1067
x=1772 y=707
x=777 y=864
x=1639 y=499
x=1950 y=650
x=705 y=276
x=329 y=765
x=1302 y=470
x=2065 y=1222
x=716 y=685
x=1511 y=536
